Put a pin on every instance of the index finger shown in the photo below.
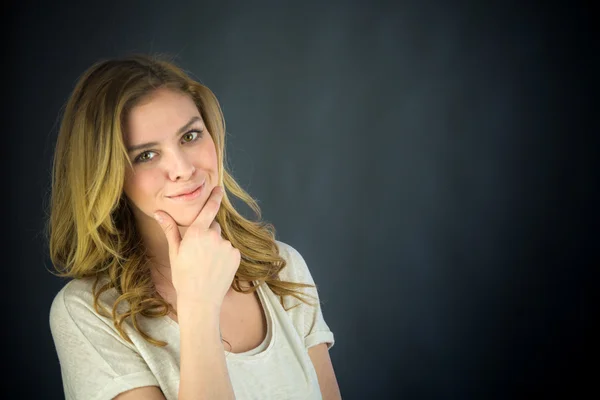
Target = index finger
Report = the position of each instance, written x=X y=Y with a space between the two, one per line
x=210 y=209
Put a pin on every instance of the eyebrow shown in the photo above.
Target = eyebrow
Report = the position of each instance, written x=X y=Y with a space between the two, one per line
x=179 y=132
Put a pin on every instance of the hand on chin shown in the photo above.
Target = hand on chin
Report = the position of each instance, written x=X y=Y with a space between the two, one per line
x=184 y=220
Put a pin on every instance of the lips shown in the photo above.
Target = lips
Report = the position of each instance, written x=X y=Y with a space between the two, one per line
x=184 y=191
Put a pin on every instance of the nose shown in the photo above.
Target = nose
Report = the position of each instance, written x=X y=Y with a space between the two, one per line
x=180 y=167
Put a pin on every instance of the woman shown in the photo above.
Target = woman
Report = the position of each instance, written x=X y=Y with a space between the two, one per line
x=174 y=294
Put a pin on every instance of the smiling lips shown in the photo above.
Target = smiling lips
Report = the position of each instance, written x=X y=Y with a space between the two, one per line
x=188 y=194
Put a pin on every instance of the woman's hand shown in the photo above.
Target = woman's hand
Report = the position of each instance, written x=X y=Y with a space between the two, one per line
x=203 y=264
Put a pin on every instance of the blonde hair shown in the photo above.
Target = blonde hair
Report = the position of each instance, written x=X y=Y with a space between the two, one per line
x=91 y=230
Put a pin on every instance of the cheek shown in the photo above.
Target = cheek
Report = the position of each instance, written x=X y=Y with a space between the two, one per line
x=210 y=155
x=142 y=186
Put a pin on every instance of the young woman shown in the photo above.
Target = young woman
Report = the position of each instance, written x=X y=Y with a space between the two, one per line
x=173 y=293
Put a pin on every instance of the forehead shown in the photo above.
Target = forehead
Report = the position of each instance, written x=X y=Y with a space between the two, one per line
x=159 y=116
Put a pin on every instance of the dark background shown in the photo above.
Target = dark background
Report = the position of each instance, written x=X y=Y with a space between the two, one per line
x=434 y=163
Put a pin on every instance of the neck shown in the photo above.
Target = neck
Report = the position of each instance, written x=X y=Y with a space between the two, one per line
x=157 y=247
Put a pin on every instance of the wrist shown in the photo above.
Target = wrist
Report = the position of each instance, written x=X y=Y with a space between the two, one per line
x=195 y=310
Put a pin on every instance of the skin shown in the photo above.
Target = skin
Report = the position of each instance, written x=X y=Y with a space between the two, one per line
x=193 y=266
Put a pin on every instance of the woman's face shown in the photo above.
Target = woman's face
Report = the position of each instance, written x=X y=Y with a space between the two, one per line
x=172 y=153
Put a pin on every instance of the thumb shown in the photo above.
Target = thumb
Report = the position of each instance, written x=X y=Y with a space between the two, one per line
x=170 y=230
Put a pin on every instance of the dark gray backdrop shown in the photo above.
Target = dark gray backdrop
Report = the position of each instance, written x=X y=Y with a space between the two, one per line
x=428 y=160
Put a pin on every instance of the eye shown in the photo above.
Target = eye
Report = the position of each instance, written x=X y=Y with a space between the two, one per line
x=145 y=157
x=191 y=136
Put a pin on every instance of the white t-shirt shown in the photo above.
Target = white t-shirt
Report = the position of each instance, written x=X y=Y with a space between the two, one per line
x=96 y=363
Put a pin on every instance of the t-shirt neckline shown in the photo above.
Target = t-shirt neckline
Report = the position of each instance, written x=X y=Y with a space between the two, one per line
x=270 y=334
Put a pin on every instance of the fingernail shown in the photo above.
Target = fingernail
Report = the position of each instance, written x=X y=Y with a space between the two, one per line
x=158 y=218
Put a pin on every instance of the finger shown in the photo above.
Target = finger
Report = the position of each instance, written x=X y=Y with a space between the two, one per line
x=170 y=230
x=215 y=226
x=210 y=209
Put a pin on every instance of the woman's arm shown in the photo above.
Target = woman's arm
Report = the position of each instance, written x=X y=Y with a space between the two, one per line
x=203 y=370
x=319 y=356
x=146 y=393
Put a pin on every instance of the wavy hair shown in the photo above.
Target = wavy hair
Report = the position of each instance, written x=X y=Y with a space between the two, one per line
x=91 y=230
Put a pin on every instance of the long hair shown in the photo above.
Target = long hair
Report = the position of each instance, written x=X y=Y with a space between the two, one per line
x=91 y=229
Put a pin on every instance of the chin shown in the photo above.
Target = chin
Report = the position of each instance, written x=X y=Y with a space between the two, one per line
x=184 y=219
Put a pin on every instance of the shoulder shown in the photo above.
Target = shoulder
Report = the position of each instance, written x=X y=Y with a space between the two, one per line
x=74 y=304
x=285 y=250
x=296 y=269
x=95 y=360
x=79 y=292
x=307 y=317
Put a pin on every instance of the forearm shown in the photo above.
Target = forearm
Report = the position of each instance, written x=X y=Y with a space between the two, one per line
x=203 y=370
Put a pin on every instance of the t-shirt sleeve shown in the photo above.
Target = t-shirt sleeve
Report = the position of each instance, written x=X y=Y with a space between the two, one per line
x=96 y=363
x=313 y=327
